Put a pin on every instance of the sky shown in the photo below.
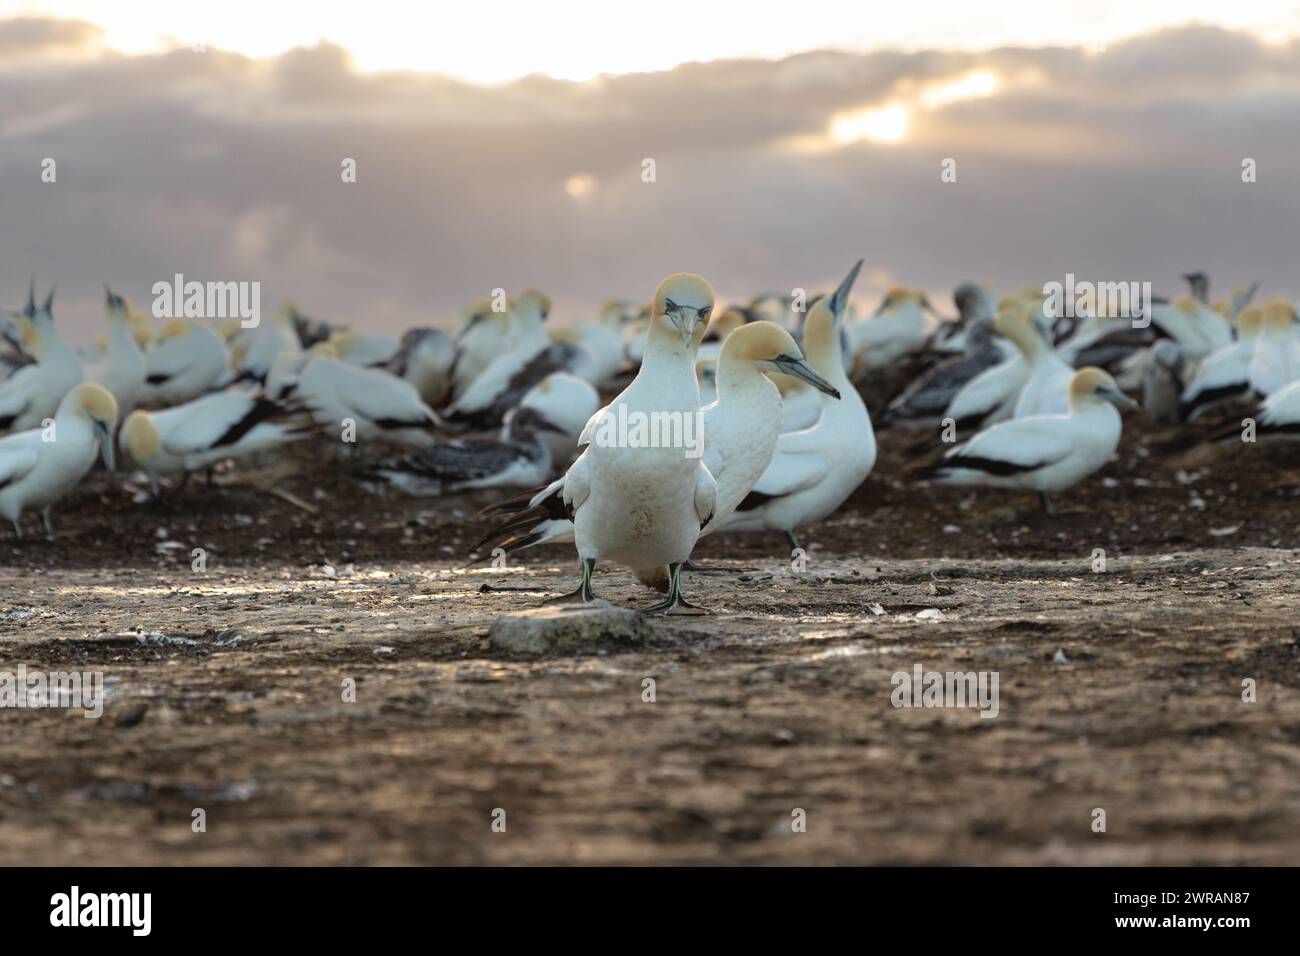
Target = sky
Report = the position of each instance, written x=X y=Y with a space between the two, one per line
x=505 y=144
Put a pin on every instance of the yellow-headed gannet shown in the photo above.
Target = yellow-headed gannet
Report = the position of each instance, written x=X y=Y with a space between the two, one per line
x=1276 y=359
x=635 y=499
x=566 y=401
x=33 y=392
x=425 y=358
x=188 y=359
x=210 y=429
x=122 y=369
x=898 y=328
x=1224 y=376
x=41 y=465
x=379 y=405
x=992 y=394
x=1044 y=391
x=815 y=469
x=1043 y=453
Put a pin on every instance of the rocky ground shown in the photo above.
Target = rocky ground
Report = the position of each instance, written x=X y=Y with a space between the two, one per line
x=326 y=692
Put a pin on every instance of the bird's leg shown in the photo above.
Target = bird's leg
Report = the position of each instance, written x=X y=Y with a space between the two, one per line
x=45 y=522
x=185 y=481
x=792 y=538
x=1046 y=500
x=211 y=470
x=676 y=604
x=583 y=595
x=18 y=527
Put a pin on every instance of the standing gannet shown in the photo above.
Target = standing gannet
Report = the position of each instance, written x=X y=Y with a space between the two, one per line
x=741 y=430
x=1045 y=388
x=376 y=403
x=1276 y=359
x=517 y=458
x=210 y=429
x=1224 y=376
x=636 y=499
x=1043 y=453
x=482 y=337
x=40 y=466
x=1197 y=328
x=530 y=357
x=188 y=359
x=815 y=469
x=992 y=394
x=33 y=392
x=122 y=369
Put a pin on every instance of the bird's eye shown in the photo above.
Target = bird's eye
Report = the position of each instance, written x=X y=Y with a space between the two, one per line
x=705 y=312
x=670 y=305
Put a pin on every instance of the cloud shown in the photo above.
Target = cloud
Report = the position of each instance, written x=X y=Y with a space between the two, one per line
x=22 y=37
x=1123 y=165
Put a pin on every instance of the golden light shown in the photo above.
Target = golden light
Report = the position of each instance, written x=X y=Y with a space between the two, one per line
x=581 y=185
x=878 y=124
x=974 y=85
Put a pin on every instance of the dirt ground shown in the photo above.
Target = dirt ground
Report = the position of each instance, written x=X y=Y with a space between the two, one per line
x=1119 y=690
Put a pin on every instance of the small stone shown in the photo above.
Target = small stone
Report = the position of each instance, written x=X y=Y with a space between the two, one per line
x=569 y=628
x=132 y=715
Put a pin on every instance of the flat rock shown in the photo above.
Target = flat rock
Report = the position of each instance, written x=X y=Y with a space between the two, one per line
x=567 y=628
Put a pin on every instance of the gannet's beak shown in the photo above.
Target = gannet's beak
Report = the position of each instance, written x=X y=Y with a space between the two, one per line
x=105 y=444
x=840 y=297
x=799 y=368
x=685 y=320
x=1117 y=398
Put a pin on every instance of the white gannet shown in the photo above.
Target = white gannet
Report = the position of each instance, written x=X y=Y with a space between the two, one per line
x=254 y=350
x=815 y=469
x=898 y=328
x=210 y=429
x=1046 y=385
x=1224 y=375
x=566 y=401
x=1279 y=415
x=378 y=404
x=992 y=394
x=425 y=358
x=643 y=503
x=518 y=458
x=483 y=336
x=1276 y=359
x=1043 y=453
x=599 y=355
x=122 y=369
x=188 y=359
x=41 y=465
x=741 y=429
x=372 y=351
x=33 y=392
x=1197 y=328
x=925 y=401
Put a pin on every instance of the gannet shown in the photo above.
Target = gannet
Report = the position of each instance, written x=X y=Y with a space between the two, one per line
x=815 y=469
x=601 y=350
x=991 y=395
x=1162 y=384
x=425 y=358
x=741 y=430
x=1197 y=328
x=1279 y=415
x=518 y=458
x=530 y=358
x=1045 y=388
x=40 y=466
x=1043 y=453
x=633 y=503
x=373 y=351
x=188 y=359
x=974 y=303
x=898 y=328
x=253 y=350
x=379 y=405
x=122 y=369
x=566 y=401
x=33 y=392
x=1276 y=359
x=924 y=402
x=210 y=429
x=1224 y=375
x=482 y=337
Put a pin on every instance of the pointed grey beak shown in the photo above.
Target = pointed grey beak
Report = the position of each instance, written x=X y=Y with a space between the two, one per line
x=800 y=369
x=105 y=445
x=1117 y=398
x=840 y=298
